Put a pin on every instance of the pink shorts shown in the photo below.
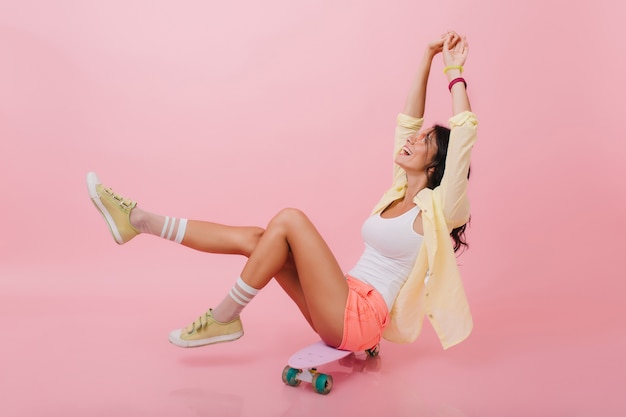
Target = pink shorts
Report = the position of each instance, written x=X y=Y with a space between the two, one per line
x=365 y=318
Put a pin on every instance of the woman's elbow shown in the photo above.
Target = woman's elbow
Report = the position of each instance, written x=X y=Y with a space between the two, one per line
x=458 y=218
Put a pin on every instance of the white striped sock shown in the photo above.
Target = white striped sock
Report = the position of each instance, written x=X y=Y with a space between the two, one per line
x=242 y=293
x=182 y=228
x=167 y=220
x=172 y=224
x=246 y=287
x=238 y=297
x=173 y=231
x=233 y=304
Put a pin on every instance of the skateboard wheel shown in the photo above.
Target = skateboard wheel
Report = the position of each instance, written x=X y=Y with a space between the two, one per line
x=322 y=383
x=290 y=376
x=373 y=352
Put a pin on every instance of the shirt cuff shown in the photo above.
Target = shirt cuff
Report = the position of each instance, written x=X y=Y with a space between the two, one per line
x=463 y=118
x=409 y=122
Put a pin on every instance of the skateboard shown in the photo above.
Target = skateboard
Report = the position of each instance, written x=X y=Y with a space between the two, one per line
x=302 y=366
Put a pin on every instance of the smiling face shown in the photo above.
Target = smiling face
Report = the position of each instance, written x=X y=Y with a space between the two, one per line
x=418 y=152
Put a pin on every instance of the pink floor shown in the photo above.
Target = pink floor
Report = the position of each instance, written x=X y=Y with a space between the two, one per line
x=102 y=350
x=230 y=111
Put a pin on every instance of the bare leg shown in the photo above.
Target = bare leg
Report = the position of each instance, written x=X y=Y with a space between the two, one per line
x=218 y=238
x=321 y=280
x=289 y=281
x=125 y=221
x=201 y=235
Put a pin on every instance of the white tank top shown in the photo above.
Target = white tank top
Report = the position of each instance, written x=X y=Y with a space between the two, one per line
x=391 y=247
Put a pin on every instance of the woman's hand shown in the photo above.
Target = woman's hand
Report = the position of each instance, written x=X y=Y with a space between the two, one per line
x=437 y=45
x=416 y=100
x=454 y=57
x=455 y=49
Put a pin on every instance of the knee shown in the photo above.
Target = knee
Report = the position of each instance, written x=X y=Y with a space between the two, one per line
x=286 y=221
x=289 y=216
x=252 y=240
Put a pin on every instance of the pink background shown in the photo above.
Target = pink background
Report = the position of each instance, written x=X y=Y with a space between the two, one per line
x=229 y=111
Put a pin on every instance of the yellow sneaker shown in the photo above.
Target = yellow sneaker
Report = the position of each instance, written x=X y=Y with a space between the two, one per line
x=114 y=208
x=206 y=331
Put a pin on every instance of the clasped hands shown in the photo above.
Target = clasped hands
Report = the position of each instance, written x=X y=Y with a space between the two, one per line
x=453 y=46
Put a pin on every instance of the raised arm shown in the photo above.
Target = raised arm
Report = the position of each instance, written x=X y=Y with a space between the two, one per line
x=452 y=191
x=454 y=56
x=416 y=100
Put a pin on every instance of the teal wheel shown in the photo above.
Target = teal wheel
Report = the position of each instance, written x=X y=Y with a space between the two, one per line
x=290 y=376
x=322 y=383
x=373 y=352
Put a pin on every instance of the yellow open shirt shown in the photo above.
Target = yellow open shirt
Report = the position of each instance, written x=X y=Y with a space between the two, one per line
x=442 y=297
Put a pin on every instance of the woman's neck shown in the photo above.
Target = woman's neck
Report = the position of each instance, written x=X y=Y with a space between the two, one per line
x=414 y=186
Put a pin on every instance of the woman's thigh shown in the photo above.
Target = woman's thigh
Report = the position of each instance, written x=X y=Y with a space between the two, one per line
x=321 y=278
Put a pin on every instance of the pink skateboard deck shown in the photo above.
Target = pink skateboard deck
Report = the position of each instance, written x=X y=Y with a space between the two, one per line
x=315 y=355
x=302 y=365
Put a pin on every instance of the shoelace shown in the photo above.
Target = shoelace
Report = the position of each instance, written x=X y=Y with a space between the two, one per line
x=198 y=324
x=122 y=201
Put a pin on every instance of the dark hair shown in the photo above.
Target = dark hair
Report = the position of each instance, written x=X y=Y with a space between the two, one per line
x=442 y=135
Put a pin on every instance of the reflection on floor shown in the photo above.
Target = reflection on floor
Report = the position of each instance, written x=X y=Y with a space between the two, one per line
x=105 y=353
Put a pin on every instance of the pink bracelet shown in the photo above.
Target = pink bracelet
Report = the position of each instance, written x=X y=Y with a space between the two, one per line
x=457 y=80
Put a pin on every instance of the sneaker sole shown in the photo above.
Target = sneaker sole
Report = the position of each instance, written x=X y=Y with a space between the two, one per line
x=92 y=182
x=175 y=340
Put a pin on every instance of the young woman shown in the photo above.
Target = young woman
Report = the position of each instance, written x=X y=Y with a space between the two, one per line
x=408 y=269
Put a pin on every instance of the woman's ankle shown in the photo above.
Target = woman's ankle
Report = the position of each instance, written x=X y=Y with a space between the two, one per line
x=139 y=219
x=170 y=228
